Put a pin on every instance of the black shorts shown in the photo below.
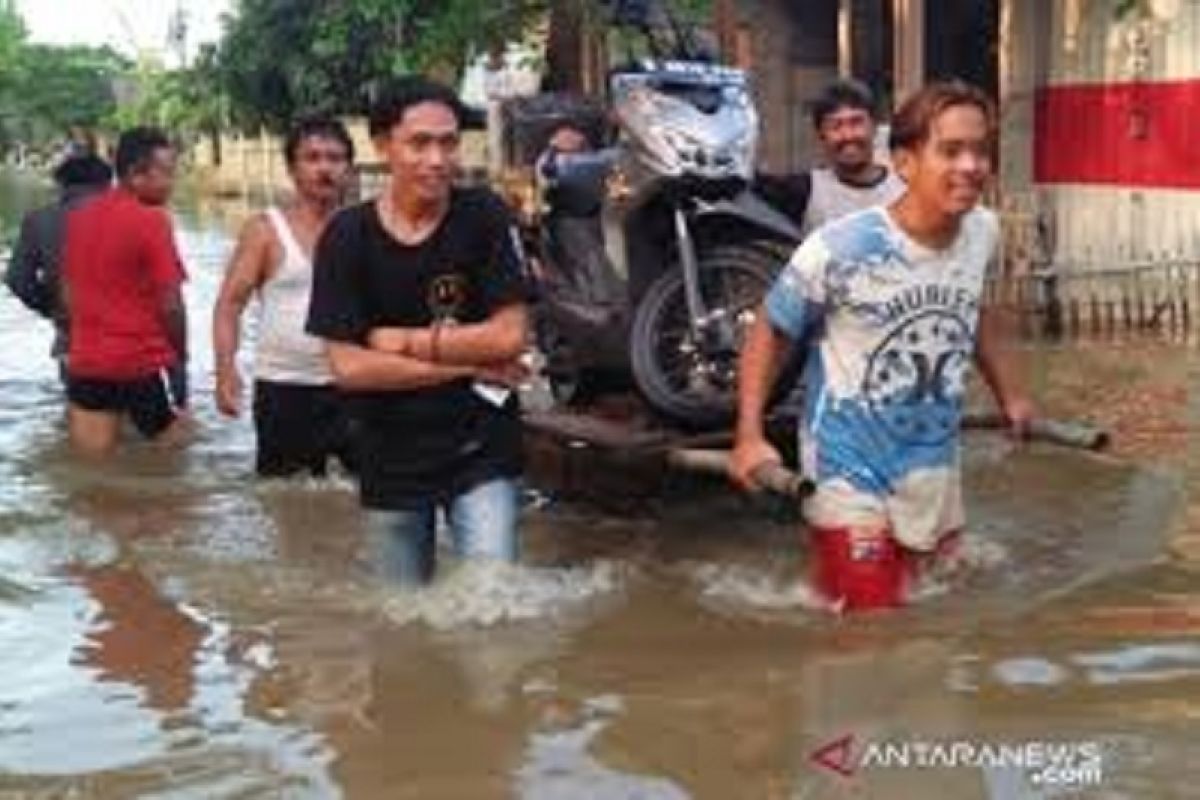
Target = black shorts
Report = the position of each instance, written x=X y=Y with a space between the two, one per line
x=299 y=428
x=150 y=402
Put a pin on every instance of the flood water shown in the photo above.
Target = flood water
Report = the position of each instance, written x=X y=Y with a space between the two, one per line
x=172 y=628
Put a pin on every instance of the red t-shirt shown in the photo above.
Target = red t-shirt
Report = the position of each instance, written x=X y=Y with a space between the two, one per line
x=119 y=264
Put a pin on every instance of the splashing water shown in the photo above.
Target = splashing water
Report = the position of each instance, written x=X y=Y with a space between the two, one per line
x=337 y=481
x=976 y=554
x=487 y=594
x=742 y=587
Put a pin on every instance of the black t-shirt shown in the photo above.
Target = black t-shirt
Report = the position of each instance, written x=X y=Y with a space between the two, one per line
x=435 y=442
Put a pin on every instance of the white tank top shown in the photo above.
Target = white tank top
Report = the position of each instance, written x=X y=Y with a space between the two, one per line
x=285 y=353
x=831 y=199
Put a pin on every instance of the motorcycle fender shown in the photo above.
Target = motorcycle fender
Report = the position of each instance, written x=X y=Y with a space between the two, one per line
x=748 y=207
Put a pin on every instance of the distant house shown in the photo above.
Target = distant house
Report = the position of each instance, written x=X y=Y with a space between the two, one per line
x=1103 y=101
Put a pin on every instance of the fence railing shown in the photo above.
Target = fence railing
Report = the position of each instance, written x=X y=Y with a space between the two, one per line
x=1159 y=297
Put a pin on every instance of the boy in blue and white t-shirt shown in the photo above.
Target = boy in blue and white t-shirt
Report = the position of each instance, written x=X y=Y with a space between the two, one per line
x=890 y=299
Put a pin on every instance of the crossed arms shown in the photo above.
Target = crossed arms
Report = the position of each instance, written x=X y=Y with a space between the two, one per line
x=412 y=358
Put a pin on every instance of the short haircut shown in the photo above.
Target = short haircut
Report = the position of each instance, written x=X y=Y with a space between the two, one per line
x=398 y=97
x=912 y=123
x=83 y=170
x=316 y=128
x=845 y=93
x=568 y=125
x=136 y=147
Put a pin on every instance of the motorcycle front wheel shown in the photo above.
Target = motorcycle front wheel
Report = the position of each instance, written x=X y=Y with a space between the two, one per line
x=691 y=376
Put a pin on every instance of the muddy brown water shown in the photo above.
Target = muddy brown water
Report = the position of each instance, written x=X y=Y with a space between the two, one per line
x=171 y=628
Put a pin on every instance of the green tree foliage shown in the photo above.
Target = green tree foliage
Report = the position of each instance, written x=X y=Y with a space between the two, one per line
x=45 y=91
x=279 y=58
x=188 y=102
x=64 y=87
x=12 y=36
x=12 y=42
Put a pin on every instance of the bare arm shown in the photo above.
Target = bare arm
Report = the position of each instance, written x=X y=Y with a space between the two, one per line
x=357 y=368
x=247 y=269
x=165 y=269
x=499 y=339
x=174 y=314
x=1001 y=370
x=758 y=367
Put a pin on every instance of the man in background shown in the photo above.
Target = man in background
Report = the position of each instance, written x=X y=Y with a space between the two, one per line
x=299 y=414
x=33 y=272
x=850 y=178
x=122 y=279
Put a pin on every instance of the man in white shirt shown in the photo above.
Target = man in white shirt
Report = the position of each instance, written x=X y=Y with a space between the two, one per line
x=300 y=419
x=850 y=177
x=890 y=299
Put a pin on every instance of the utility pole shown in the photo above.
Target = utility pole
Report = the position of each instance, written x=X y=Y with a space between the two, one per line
x=131 y=37
x=909 y=47
x=177 y=33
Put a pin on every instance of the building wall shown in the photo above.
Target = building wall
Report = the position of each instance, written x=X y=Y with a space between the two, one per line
x=254 y=165
x=790 y=50
x=1114 y=153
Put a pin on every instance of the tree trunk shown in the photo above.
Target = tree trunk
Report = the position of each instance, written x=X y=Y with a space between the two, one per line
x=564 y=48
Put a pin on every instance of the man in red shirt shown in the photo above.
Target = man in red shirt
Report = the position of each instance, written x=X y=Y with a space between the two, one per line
x=122 y=278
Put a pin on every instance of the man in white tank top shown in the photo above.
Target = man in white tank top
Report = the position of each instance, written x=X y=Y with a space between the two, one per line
x=299 y=417
x=850 y=178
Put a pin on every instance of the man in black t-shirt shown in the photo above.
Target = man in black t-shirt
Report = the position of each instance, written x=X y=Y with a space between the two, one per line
x=420 y=296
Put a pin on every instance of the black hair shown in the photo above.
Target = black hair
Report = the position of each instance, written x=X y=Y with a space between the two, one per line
x=396 y=98
x=843 y=93
x=568 y=125
x=320 y=128
x=136 y=146
x=82 y=170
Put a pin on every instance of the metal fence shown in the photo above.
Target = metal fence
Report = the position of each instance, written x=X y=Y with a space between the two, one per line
x=1055 y=297
x=1073 y=300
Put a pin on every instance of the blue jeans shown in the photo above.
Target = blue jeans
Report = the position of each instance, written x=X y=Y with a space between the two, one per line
x=483 y=525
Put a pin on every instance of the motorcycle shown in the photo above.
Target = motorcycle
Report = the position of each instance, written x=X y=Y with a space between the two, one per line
x=656 y=252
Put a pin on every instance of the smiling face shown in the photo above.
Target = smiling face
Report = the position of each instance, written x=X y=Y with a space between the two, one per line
x=422 y=151
x=847 y=135
x=948 y=169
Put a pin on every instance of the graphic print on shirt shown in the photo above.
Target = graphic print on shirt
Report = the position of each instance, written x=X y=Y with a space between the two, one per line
x=446 y=298
x=914 y=379
x=884 y=389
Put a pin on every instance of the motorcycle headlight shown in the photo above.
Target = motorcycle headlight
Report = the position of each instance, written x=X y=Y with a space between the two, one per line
x=682 y=152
